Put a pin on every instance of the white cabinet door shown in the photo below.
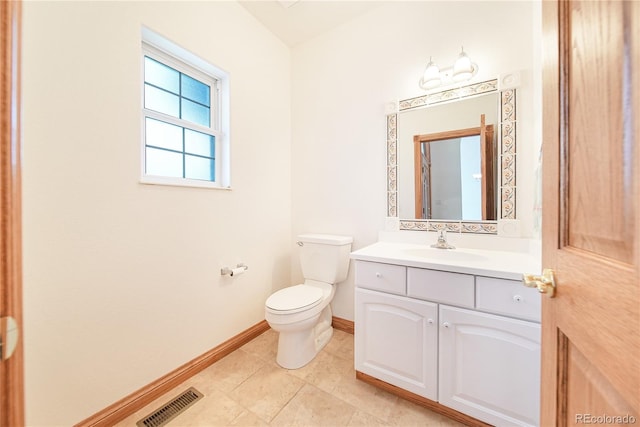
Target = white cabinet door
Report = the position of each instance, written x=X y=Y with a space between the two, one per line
x=396 y=341
x=490 y=366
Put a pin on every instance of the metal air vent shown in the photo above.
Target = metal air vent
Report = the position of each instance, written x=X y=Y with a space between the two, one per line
x=171 y=410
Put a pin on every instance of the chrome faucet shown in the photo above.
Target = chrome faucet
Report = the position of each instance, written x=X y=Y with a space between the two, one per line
x=442 y=241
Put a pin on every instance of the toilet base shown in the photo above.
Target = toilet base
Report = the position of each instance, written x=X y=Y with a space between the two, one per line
x=298 y=348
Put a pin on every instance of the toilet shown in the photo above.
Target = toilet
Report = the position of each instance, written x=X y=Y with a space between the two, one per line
x=301 y=314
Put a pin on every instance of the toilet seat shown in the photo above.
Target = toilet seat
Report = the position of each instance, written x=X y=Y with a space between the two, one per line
x=294 y=299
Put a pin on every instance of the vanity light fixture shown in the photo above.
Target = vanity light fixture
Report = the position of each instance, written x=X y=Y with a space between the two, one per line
x=462 y=70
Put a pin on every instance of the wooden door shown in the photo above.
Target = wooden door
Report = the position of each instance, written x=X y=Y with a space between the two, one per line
x=591 y=212
x=11 y=380
x=487 y=168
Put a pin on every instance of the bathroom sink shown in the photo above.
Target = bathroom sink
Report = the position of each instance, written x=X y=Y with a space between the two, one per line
x=448 y=255
x=483 y=262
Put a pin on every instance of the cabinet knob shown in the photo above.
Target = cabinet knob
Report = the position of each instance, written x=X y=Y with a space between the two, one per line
x=430 y=321
x=378 y=275
x=517 y=298
x=446 y=324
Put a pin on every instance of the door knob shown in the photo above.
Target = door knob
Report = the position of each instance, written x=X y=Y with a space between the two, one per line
x=546 y=283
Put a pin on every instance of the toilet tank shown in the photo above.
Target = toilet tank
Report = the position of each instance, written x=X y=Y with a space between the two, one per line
x=324 y=257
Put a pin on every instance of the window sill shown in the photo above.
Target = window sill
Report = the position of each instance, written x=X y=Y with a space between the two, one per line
x=181 y=182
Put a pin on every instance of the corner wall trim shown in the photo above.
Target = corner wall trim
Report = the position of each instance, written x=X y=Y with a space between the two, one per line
x=343 y=325
x=139 y=399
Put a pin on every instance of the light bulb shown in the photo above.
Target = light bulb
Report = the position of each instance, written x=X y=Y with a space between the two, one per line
x=463 y=68
x=431 y=77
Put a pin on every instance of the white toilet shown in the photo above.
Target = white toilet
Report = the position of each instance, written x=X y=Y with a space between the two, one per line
x=302 y=313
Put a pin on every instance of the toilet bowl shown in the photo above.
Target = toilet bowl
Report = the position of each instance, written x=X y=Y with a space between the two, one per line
x=301 y=314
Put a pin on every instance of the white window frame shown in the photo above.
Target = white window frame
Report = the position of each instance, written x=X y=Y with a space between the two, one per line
x=168 y=53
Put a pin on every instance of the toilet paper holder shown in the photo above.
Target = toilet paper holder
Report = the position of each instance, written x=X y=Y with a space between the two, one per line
x=238 y=269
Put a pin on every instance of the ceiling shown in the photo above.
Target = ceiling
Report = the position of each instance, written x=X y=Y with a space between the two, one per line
x=295 y=22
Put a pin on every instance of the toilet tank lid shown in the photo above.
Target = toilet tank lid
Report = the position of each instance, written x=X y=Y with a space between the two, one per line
x=325 y=239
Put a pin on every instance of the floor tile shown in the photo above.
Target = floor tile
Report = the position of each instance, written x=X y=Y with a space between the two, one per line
x=215 y=409
x=406 y=414
x=325 y=371
x=248 y=389
x=264 y=346
x=365 y=397
x=314 y=407
x=229 y=372
x=341 y=345
x=363 y=419
x=248 y=419
x=267 y=391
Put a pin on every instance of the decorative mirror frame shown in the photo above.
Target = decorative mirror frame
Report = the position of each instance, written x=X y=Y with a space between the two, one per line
x=506 y=149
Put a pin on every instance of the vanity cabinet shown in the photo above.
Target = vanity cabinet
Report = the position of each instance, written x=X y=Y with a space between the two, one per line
x=468 y=342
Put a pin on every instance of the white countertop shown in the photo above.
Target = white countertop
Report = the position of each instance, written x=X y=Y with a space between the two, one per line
x=502 y=264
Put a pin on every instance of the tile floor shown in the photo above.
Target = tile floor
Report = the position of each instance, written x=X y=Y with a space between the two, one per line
x=248 y=388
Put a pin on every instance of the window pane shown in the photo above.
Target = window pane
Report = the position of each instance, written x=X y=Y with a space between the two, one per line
x=161 y=134
x=195 y=90
x=198 y=143
x=199 y=168
x=159 y=100
x=160 y=75
x=195 y=113
x=163 y=163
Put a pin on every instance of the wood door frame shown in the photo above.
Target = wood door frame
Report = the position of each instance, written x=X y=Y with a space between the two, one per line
x=418 y=176
x=551 y=203
x=11 y=370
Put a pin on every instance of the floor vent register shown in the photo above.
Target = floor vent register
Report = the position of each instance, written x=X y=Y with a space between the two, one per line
x=171 y=410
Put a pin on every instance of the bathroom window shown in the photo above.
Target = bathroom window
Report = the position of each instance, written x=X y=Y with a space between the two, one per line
x=184 y=122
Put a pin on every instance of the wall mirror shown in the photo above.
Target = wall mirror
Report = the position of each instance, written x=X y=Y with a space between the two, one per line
x=451 y=159
x=453 y=175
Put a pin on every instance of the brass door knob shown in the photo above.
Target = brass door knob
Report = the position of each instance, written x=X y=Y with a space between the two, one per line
x=546 y=283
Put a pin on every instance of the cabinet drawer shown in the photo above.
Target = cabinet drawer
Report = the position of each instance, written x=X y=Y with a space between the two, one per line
x=382 y=277
x=507 y=297
x=441 y=286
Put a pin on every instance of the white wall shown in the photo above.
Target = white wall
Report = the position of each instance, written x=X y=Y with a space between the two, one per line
x=342 y=81
x=122 y=280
